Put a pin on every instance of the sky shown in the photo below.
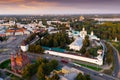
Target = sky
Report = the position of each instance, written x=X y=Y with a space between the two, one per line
x=40 y=7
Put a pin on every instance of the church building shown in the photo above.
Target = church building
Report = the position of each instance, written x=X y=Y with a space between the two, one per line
x=19 y=61
x=79 y=37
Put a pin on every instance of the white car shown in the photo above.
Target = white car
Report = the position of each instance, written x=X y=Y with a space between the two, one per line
x=77 y=65
x=101 y=74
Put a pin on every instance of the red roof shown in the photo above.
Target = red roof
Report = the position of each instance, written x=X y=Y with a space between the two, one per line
x=13 y=30
x=2 y=34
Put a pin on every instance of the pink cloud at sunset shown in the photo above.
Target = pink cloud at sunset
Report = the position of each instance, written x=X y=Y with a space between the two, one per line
x=59 y=6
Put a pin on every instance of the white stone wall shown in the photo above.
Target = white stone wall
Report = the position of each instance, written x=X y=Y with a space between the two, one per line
x=75 y=47
x=90 y=60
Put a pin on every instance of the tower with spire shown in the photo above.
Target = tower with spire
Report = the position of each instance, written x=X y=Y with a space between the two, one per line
x=116 y=39
x=83 y=33
x=92 y=33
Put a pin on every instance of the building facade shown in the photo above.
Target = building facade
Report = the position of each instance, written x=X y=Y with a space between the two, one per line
x=19 y=61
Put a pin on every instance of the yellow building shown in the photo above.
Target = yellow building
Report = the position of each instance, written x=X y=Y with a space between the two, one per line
x=81 y=18
x=65 y=70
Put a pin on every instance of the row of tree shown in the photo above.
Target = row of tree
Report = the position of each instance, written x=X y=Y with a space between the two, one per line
x=109 y=56
x=60 y=39
x=60 y=26
x=109 y=59
x=2 y=38
x=86 y=44
x=30 y=38
x=104 y=30
x=35 y=49
x=41 y=69
x=83 y=77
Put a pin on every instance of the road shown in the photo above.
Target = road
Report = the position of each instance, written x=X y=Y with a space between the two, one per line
x=117 y=60
x=88 y=71
x=94 y=74
x=13 y=45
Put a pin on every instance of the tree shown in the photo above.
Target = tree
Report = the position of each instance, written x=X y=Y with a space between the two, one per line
x=40 y=73
x=109 y=56
x=87 y=54
x=82 y=50
x=3 y=38
x=55 y=43
x=93 y=51
x=54 y=63
x=36 y=48
x=87 y=77
x=54 y=77
x=41 y=60
x=86 y=41
x=44 y=22
x=28 y=71
x=80 y=77
x=60 y=39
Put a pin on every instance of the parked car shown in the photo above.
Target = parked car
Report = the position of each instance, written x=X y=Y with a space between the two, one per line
x=100 y=74
x=78 y=65
x=64 y=61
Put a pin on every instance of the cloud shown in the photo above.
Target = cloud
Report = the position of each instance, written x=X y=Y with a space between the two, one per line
x=58 y=6
x=10 y=1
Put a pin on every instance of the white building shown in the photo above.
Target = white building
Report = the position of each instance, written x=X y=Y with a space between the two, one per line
x=116 y=39
x=2 y=31
x=41 y=25
x=7 y=24
x=79 y=37
x=69 y=73
x=77 y=44
x=52 y=30
x=24 y=46
x=93 y=37
x=107 y=19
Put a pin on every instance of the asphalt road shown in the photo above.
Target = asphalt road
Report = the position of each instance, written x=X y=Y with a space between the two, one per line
x=117 y=62
x=13 y=45
x=94 y=74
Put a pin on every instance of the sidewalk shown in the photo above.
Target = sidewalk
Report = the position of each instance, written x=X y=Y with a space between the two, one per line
x=105 y=67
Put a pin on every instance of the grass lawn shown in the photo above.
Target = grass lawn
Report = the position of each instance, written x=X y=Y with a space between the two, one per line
x=90 y=67
x=13 y=77
x=6 y=64
x=33 y=61
x=8 y=74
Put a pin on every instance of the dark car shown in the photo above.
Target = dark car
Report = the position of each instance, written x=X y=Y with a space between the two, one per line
x=64 y=61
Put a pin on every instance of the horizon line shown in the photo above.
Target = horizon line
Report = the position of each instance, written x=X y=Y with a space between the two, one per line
x=69 y=14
